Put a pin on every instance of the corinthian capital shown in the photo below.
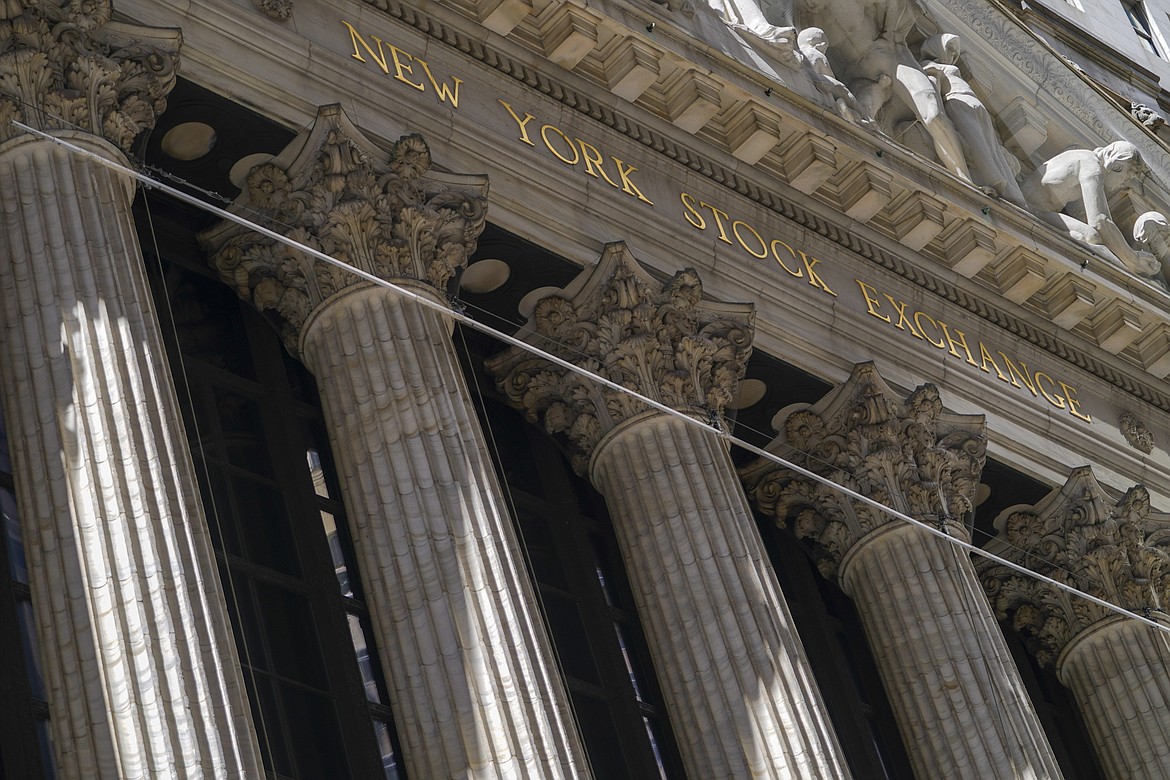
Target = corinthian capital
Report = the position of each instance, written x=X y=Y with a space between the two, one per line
x=333 y=190
x=1077 y=535
x=661 y=340
x=65 y=66
x=907 y=454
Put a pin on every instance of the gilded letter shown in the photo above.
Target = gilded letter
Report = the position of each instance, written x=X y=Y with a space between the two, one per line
x=521 y=123
x=628 y=186
x=987 y=358
x=1058 y=401
x=400 y=66
x=718 y=222
x=763 y=247
x=813 y=277
x=1016 y=375
x=592 y=157
x=1070 y=395
x=379 y=58
x=444 y=92
x=799 y=272
x=940 y=343
x=544 y=135
x=962 y=341
x=695 y=218
x=871 y=302
x=901 y=307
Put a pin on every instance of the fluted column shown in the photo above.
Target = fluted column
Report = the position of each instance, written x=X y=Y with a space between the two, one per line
x=735 y=679
x=954 y=689
x=141 y=672
x=1117 y=667
x=475 y=689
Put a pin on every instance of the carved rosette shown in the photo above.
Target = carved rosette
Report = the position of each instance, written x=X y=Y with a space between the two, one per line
x=65 y=66
x=907 y=454
x=280 y=10
x=1077 y=536
x=337 y=193
x=1136 y=432
x=660 y=340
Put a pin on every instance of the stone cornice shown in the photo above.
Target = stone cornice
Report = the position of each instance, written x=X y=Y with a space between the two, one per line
x=1077 y=535
x=907 y=454
x=1118 y=327
x=66 y=66
x=333 y=190
x=660 y=340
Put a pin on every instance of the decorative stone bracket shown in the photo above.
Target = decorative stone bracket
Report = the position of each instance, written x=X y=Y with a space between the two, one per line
x=661 y=340
x=333 y=190
x=907 y=454
x=1118 y=551
x=66 y=66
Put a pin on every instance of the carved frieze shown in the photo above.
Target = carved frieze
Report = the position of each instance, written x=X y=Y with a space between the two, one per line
x=908 y=454
x=1136 y=432
x=66 y=66
x=334 y=191
x=1117 y=551
x=661 y=340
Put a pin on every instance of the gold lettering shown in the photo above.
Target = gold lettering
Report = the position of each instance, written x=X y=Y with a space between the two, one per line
x=1073 y=404
x=521 y=123
x=400 y=66
x=1016 y=375
x=901 y=309
x=799 y=272
x=1058 y=402
x=871 y=302
x=689 y=204
x=544 y=136
x=813 y=277
x=443 y=92
x=628 y=186
x=718 y=222
x=962 y=341
x=940 y=343
x=595 y=159
x=356 y=38
x=987 y=358
x=763 y=247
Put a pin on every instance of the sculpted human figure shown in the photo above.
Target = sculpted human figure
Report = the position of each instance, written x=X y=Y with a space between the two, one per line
x=813 y=42
x=869 y=53
x=1080 y=179
x=1151 y=233
x=991 y=165
x=748 y=17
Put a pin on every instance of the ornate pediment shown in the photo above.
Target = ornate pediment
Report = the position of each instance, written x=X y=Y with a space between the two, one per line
x=907 y=453
x=333 y=190
x=661 y=340
x=66 y=66
x=1117 y=551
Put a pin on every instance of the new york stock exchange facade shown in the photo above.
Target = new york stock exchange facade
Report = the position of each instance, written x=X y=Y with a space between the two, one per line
x=265 y=517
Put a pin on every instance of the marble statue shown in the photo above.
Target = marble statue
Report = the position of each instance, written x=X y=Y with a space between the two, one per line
x=746 y=16
x=813 y=42
x=1081 y=181
x=1151 y=233
x=990 y=163
x=870 y=54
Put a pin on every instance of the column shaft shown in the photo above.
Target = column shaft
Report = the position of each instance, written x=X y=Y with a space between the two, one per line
x=142 y=677
x=958 y=699
x=475 y=690
x=1117 y=672
x=735 y=677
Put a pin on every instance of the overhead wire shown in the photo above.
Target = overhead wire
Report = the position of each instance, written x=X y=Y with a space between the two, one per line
x=464 y=319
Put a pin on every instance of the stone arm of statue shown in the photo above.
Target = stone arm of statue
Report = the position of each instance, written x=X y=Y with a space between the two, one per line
x=1100 y=219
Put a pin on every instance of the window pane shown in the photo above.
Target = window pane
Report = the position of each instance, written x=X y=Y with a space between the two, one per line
x=17 y=565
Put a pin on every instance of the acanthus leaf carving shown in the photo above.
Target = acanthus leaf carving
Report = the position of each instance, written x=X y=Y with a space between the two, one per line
x=908 y=454
x=66 y=66
x=662 y=341
x=1116 y=551
x=335 y=192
